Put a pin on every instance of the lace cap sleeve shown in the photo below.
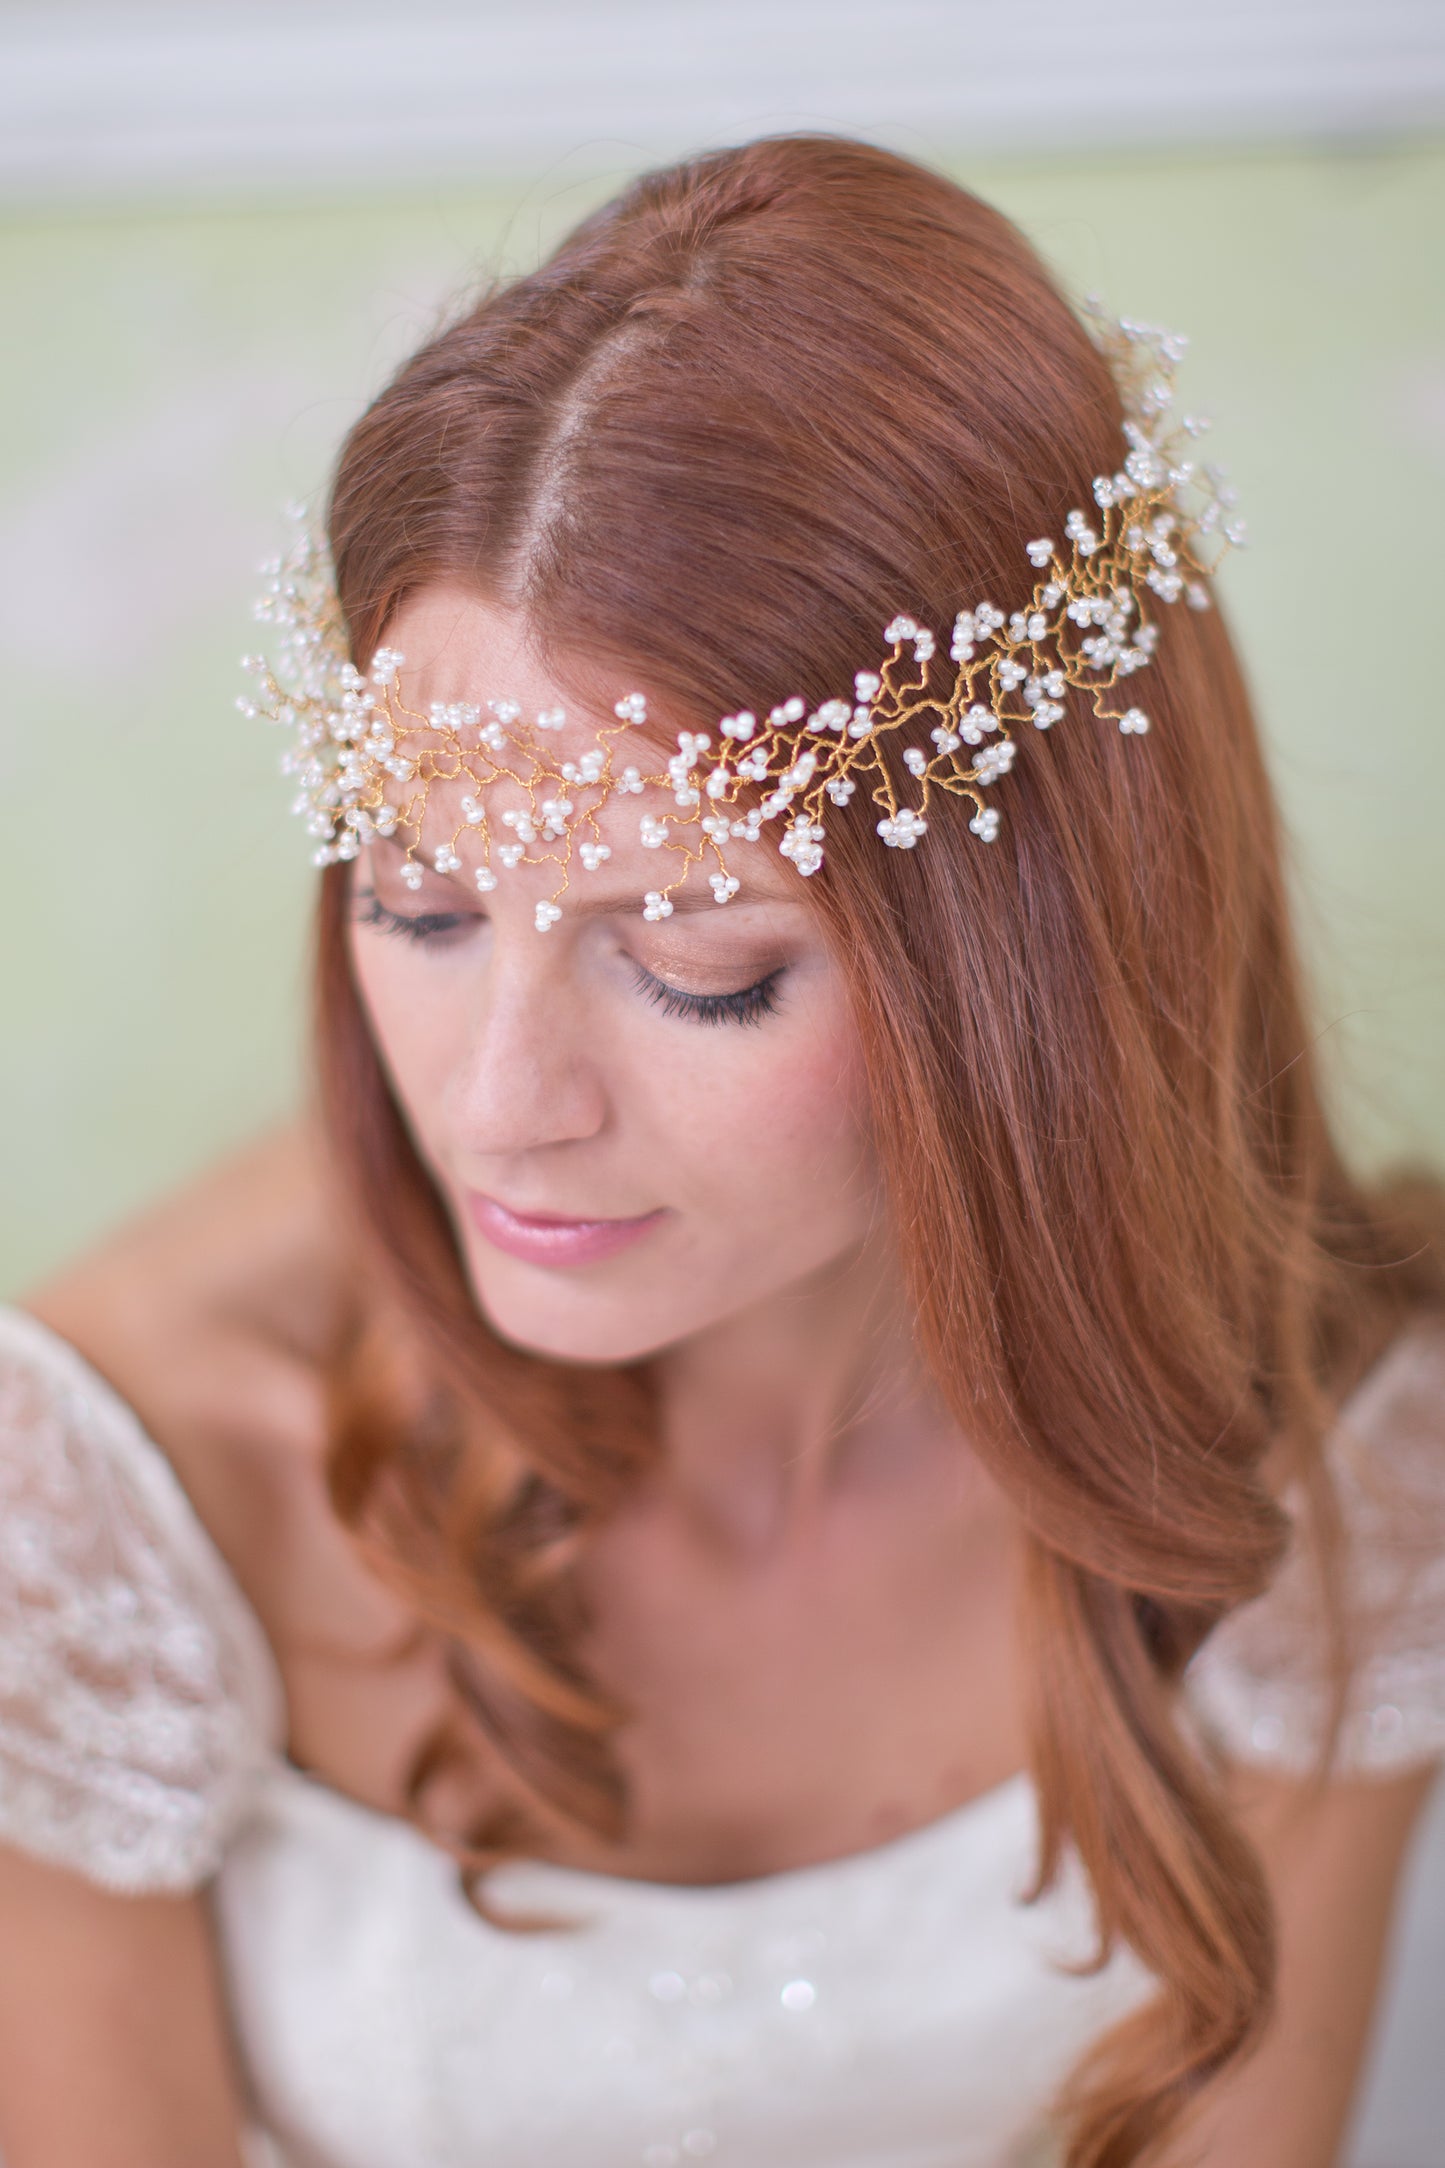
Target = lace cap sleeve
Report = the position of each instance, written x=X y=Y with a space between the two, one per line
x=139 y=1699
x=1260 y=1684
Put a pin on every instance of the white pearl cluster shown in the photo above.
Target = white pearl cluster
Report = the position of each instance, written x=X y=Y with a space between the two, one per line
x=364 y=762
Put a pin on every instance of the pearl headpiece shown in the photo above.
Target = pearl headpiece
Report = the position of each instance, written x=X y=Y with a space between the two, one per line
x=364 y=761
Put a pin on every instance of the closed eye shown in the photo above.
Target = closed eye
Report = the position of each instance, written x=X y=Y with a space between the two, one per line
x=747 y=1006
x=369 y=910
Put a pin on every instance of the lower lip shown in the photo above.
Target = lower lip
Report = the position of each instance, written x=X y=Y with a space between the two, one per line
x=554 y=1241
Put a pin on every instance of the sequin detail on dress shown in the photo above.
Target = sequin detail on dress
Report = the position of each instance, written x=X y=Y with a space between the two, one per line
x=135 y=1696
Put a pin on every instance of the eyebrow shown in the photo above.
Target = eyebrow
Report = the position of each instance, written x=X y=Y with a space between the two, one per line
x=612 y=905
x=682 y=899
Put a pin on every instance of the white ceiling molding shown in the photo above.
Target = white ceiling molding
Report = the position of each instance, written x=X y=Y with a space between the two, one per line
x=133 y=101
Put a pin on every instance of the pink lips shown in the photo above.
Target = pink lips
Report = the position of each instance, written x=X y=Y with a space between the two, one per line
x=542 y=1241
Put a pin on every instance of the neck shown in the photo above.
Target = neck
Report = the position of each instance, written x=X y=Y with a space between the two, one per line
x=770 y=1414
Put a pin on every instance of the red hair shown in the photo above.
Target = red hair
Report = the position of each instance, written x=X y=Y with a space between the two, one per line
x=746 y=412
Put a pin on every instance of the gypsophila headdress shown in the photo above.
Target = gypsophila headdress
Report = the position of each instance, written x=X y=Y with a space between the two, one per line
x=364 y=761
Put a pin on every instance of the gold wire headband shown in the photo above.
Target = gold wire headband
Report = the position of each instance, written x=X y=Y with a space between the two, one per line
x=364 y=762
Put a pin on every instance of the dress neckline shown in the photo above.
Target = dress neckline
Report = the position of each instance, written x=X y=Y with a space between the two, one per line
x=270 y=1716
x=1005 y=1800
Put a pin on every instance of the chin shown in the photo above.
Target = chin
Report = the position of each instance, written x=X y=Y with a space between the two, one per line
x=568 y=1324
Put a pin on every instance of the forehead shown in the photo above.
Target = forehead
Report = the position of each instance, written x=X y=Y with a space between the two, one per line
x=460 y=646
x=460 y=649
x=631 y=866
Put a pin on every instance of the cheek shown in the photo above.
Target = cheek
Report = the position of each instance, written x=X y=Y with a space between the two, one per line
x=772 y=1143
x=414 y=1027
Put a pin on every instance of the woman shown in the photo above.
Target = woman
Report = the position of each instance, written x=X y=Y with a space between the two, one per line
x=564 y=1612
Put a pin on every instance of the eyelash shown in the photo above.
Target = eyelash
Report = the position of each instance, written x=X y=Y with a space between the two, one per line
x=369 y=910
x=748 y=1005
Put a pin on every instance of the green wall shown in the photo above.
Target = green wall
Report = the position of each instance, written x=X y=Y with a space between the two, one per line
x=177 y=377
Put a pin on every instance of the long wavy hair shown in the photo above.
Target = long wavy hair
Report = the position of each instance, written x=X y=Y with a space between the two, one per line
x=744 y=413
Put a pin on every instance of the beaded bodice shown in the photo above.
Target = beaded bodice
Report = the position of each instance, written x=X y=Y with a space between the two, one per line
x=898 y=2008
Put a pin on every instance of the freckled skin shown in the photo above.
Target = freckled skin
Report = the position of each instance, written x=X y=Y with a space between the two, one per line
x=534 y=1069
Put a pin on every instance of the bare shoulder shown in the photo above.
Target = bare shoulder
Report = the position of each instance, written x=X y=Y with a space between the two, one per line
x=214 y=1311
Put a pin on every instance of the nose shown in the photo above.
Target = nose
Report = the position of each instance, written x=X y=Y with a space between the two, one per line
x=524 y=1078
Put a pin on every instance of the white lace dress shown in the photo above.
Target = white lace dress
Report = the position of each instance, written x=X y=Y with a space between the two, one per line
x=895 y=2009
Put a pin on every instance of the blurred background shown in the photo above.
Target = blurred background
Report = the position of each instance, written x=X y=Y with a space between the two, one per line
x=220 y=229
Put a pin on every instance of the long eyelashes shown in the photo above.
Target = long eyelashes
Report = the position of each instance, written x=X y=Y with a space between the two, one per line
x=748 y=1005
x=369 y=910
